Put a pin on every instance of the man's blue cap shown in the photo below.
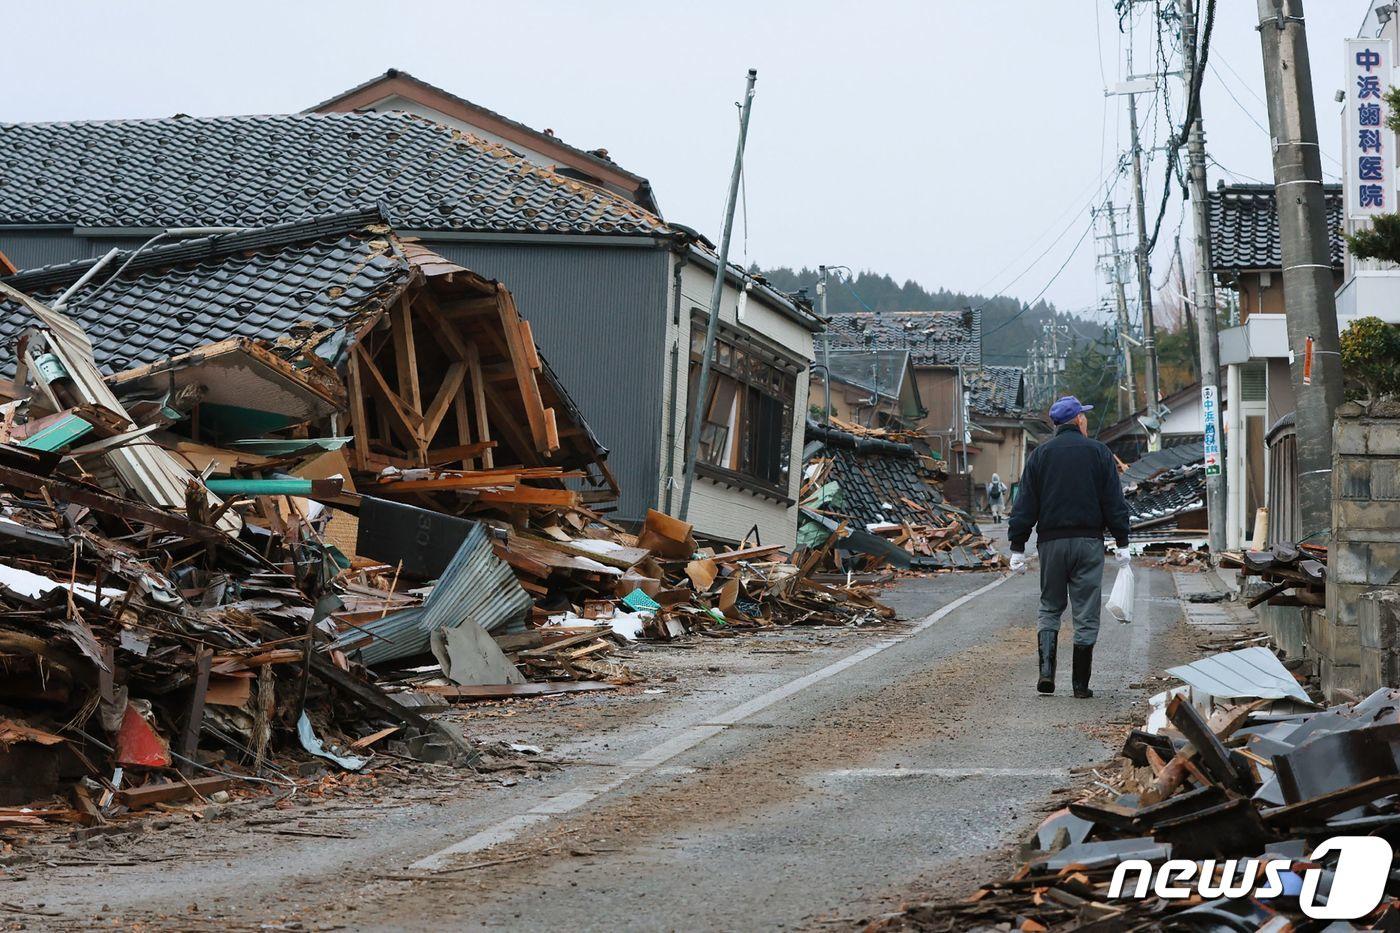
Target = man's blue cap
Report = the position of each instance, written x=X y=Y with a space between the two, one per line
x=1067 y=409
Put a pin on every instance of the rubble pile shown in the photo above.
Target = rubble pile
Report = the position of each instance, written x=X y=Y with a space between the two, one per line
x=887 y=496
x=1301 y=568
x=304 y=536
x=1234 y=769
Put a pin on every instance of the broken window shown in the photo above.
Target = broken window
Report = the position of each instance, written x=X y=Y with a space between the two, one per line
x=746 y=427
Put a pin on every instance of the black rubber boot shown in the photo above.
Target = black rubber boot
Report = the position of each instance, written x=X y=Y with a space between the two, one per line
x=1046 y=683
x=1083 y=665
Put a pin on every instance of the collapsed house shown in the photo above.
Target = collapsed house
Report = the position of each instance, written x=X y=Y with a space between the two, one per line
x=877 y=496
x=584 y=265
x=240 y=465
x=1166 y=492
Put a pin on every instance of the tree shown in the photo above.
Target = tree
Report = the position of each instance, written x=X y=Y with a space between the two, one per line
x=1370 y=348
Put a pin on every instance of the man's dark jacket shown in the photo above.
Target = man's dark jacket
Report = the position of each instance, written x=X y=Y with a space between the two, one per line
x=1069 y=489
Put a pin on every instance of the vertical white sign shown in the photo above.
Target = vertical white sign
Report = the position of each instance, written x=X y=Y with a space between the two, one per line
x=1210 y=428
x=1370 y=144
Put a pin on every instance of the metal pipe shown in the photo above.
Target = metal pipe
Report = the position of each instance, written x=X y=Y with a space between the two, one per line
x=171 y=232
x=84 y=279
x=706 y=356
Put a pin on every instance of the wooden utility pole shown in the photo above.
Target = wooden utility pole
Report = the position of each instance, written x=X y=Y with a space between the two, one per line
x=1307 y=262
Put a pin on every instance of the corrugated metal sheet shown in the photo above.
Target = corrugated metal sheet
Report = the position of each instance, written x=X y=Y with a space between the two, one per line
x=599 y=316
x=477 y=586
x=1249 y=672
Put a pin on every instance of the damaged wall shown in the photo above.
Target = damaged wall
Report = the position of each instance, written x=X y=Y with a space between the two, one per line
x=1365 y=550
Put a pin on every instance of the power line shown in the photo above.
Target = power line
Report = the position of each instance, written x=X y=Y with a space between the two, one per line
x=1077 y=243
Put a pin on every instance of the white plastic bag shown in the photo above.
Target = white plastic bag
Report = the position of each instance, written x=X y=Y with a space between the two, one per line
x=1120 y=601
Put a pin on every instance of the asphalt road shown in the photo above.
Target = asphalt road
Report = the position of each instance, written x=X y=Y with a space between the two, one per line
x=822 y=785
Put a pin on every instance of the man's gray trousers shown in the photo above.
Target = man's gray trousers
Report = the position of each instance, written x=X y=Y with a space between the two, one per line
x=1071 y=572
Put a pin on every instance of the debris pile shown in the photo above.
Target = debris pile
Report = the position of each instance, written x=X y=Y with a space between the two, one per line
x=1299 y=568
x=1234 y=769
x=887 y=496
x=308 y=533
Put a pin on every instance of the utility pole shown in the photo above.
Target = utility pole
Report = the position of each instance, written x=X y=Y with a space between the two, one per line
x=1206 y=318
x=702 y=388
x=1124 y=325
x=826 y=345
x=1144 y=268
x=1307 y=264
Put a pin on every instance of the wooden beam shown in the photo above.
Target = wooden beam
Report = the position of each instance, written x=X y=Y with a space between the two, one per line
x=189 y=740
x=167 y=791
x=462 y=411
x=483 y=424
x=526 y=361
x=432 y=418
x=531 y=495
x=358 y=426
x=408 y=420
x=406 y=357
x=432 y=314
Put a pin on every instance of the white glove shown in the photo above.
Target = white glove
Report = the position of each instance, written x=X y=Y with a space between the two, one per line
x=1125 y=556
x=1018 y=562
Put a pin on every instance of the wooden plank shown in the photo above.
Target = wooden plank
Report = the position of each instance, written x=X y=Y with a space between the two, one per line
x=440 y=457
x=358 y=426
x=483 y=424
x=531 y=495
x=189 y=741
x=748 y=553
x=166 y=791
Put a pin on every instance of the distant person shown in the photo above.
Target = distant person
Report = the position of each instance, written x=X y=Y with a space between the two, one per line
x=1070 y=494
x=996 y=498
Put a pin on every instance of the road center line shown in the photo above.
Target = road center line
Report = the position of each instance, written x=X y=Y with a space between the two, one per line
x=683 y=741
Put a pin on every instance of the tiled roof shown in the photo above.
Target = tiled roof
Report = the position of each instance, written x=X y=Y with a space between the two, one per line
x=934 y=338
x=1244 y=232
x=259 y=170
x=997 y=390
x=260 y=285
x=876 y=476
x=599 y=156
x=1164 y=484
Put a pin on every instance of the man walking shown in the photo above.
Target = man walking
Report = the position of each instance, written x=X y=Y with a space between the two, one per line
x=1070 y=495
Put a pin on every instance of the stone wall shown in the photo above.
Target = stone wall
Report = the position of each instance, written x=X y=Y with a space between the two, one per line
x=1364 y=554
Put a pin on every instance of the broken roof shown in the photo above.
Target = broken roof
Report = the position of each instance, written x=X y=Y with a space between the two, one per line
x=1244 y=231
x=290 y=280
x=252 y=171
x=176 y=297
x=998 y=391
x=398 y=83
x=933 y=338
x=1164 y=484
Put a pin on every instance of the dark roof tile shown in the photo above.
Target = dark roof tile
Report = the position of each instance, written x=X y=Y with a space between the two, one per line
x=254 y=171
x=1244 y=231
x=933 y=338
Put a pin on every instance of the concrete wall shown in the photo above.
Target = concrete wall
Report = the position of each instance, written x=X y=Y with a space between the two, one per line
x=715 y=509
x=1365 y=551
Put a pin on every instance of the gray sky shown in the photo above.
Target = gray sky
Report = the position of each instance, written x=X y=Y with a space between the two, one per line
x=948 y=142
